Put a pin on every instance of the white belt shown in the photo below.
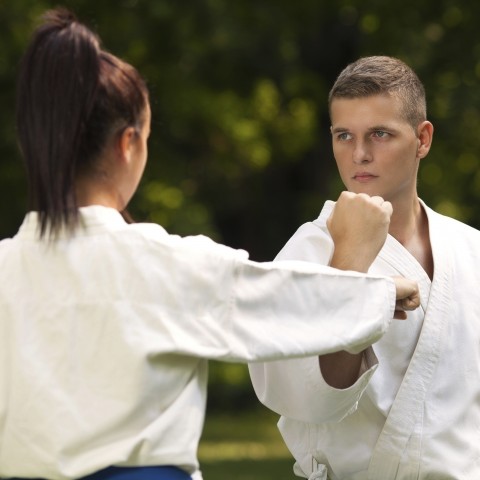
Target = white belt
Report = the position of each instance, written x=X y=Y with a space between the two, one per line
x=319 y=471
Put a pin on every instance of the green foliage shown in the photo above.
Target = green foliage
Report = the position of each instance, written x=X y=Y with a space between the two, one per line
x=244 y=446
x=230 y=388
x=248 y=469
x=240 y=148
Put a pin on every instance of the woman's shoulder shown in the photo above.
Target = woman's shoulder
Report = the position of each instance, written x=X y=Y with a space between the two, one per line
x=196 y=243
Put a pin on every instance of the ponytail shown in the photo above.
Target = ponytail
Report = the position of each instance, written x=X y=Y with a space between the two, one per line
x=65 y=112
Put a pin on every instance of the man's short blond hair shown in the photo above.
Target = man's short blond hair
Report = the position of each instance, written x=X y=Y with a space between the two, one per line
x=382 y=75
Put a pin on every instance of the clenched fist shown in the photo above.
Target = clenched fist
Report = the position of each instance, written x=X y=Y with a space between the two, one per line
x=408 y=297
x=358 y=225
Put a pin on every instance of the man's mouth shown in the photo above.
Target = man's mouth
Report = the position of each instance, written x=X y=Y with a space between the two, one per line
x=364 y=177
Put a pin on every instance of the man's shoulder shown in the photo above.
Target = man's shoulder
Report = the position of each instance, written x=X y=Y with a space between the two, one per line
x=311 y=241
x=453 y=225
x=462 y=238
x=317 y=226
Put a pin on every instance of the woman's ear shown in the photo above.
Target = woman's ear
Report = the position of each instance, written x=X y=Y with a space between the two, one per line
x=425 y=137
x=126 y=143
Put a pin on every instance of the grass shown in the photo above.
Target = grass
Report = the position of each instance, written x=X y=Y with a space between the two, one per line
x=246 y=446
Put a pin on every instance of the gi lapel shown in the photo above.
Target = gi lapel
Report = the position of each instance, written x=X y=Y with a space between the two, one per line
x=401 y=435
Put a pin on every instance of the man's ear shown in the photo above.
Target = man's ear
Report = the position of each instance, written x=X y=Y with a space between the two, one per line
x=425 y=137
x=126 y=143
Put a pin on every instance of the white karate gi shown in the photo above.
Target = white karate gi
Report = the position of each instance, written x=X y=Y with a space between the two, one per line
x=104 y=338
x=418 y=416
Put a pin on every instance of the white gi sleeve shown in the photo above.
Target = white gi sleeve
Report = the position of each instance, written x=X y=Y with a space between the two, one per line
x=295 y=388
x=223 y=306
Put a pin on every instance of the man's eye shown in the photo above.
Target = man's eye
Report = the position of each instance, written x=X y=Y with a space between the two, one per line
x=343 y=136
x=380 y=134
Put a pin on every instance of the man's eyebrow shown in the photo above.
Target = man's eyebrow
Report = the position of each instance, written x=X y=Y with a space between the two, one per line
x=339 y=130
x=373 y=128
x=380 y=127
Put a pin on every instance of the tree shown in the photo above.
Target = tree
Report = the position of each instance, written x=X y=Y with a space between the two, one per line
x=240 y=148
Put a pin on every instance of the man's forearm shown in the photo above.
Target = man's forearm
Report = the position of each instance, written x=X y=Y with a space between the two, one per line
x=340 y=369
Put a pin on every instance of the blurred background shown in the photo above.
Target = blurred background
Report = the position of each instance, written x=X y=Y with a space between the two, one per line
x=240 y=146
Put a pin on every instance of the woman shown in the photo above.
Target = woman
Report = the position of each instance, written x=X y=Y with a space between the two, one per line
x=105 y=327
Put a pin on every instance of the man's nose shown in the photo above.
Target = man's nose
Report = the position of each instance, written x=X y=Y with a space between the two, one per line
x=361 y=153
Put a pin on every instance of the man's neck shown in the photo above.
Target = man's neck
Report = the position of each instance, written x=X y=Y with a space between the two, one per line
x=409 y=226
x=407 y=220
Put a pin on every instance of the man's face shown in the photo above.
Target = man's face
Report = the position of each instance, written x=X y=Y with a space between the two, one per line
x=375 y=148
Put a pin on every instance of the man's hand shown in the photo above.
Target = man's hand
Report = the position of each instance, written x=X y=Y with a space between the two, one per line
x=408 y=297
x=358 y=226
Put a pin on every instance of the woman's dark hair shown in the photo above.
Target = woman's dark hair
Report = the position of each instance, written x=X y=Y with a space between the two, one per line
x=71 y=97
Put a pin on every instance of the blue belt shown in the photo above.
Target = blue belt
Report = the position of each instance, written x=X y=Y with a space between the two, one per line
x=138 y=473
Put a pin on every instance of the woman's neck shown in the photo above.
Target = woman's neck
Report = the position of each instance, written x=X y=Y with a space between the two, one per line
x=97 y=190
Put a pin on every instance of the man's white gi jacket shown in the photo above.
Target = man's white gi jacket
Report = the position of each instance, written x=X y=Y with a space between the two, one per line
x=414 y=412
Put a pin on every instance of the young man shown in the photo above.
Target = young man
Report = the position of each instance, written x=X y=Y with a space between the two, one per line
x=409 y=406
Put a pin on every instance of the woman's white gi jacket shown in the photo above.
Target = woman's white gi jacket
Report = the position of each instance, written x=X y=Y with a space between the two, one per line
x=104 y=338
